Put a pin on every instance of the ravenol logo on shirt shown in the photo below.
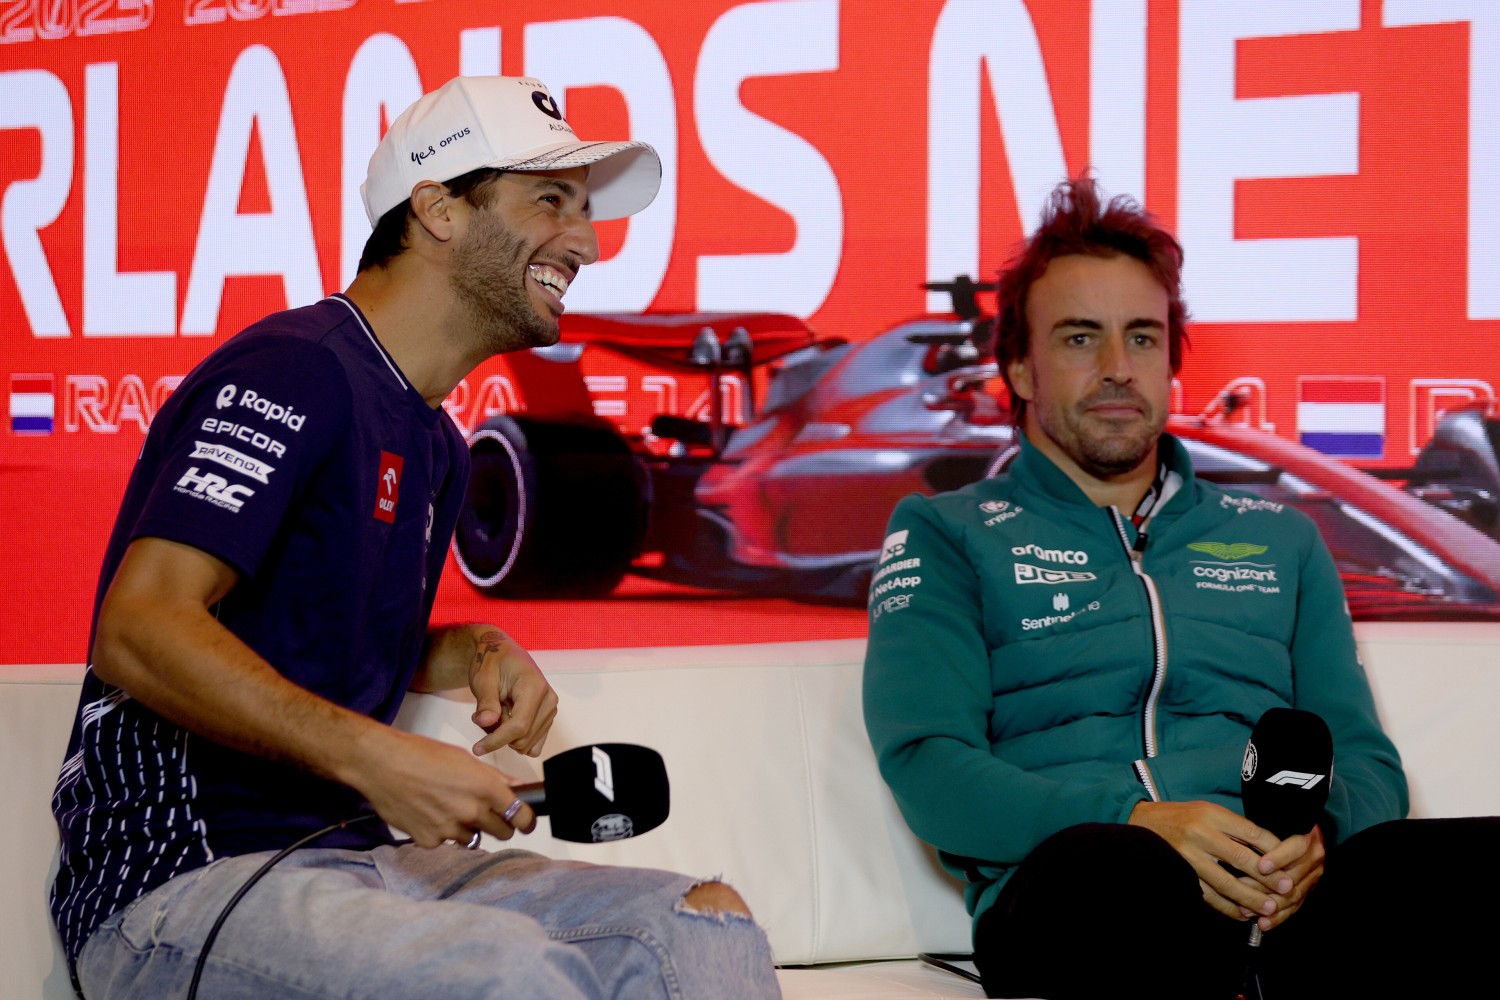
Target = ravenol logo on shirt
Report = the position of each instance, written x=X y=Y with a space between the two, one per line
x=388 y=487
x=895 y=545
x=252 y=467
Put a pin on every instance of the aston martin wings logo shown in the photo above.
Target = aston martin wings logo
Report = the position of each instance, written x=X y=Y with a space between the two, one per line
x=1228 y=552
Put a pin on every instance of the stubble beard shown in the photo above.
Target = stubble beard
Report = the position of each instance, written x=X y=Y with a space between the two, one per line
x=1115 y=451
x=489 y=278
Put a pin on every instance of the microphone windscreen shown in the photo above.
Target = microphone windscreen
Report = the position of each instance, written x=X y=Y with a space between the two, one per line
x=604 y=791
x=1287 y=771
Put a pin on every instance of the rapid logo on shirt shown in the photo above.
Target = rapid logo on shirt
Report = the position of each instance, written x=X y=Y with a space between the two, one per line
x=388 y=487
x=252 y=400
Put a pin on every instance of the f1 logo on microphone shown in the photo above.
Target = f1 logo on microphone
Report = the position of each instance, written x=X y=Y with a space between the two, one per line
x=604 y=774
x=1302 y=778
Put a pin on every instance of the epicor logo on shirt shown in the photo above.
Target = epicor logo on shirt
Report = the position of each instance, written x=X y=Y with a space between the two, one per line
x=388 y=487
x=250 y=435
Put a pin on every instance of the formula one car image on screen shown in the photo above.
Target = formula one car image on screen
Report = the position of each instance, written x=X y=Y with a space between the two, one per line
x=781 y=481
x=1459 y=469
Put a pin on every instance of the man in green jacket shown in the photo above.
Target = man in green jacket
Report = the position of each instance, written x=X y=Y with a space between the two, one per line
x=1066 y=661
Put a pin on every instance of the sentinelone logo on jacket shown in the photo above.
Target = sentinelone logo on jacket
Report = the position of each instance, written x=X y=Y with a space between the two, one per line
x=1229 y=570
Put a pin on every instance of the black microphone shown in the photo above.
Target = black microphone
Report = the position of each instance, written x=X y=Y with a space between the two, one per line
x=1287 y=771
x=1284 y=781
x=604 y=791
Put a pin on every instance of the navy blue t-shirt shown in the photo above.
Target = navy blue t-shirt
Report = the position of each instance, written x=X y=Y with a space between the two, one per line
x=298 y=454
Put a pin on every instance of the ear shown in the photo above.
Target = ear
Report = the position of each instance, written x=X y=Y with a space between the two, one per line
x=1022 y=382
x=435 y=209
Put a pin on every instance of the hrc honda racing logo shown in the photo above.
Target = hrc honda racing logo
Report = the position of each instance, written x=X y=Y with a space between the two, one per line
x=213 y=488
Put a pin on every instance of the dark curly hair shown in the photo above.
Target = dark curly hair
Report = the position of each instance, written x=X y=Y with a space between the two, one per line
x=1077 y=220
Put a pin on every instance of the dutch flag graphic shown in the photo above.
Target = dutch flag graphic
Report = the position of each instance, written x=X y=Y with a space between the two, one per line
x=33 y=404
x=1342 y=415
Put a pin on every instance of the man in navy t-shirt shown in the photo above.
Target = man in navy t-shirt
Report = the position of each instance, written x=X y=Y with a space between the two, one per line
x=263 y=607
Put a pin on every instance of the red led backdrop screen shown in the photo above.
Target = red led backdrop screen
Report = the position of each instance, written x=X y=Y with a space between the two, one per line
x=740 y=426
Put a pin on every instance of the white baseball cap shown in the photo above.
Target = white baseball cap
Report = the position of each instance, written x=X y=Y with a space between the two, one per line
x=507 y=122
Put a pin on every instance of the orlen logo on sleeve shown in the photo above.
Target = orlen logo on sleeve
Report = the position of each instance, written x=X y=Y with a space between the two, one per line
x=895 y=544
x=388 y=489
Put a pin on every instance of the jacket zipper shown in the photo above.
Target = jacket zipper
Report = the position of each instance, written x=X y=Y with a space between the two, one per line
x=1158 y=649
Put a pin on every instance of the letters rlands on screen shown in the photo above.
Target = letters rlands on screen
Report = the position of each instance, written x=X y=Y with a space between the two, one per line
x=172 y=171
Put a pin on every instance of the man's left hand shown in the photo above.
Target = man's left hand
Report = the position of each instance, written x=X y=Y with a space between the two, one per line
x=514 y=704
x=1301 y=857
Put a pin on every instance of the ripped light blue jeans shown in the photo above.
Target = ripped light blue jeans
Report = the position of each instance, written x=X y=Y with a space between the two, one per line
x=410 y=922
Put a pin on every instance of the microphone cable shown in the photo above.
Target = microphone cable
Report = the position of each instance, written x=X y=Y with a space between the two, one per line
x=213 y=931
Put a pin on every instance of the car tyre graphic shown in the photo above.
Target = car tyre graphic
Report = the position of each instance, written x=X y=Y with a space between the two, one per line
x=553 y=509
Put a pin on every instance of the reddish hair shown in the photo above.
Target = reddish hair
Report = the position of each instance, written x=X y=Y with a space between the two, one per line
x=1077 y=220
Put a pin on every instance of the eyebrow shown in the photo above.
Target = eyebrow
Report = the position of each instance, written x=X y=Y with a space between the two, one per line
x=1140 y=322
x=567 y=188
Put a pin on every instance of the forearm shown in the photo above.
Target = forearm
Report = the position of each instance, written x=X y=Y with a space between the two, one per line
x=178 y=661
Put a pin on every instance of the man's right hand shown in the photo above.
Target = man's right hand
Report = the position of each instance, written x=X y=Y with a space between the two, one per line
x=434 y=792
x=159 y=641
x=1206 y=834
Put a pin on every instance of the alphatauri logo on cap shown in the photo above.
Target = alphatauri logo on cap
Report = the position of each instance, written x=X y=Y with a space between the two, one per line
x=544 y=101
x=388 y=488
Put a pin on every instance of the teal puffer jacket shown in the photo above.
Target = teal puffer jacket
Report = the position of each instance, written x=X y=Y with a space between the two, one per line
x=1025 y=674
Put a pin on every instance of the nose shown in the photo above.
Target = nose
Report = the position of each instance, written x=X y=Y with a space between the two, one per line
x=581 y=240
x=1114 y=359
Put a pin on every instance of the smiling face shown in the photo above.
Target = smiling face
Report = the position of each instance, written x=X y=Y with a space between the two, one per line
x=518 y=254
x=1098 y=374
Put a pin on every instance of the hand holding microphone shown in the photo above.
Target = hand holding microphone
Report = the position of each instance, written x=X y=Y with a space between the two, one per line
x=1284 y=783
x=600 y=792
x=1286 y=773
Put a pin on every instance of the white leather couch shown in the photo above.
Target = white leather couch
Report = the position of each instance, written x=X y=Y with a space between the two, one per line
x=774 y=788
